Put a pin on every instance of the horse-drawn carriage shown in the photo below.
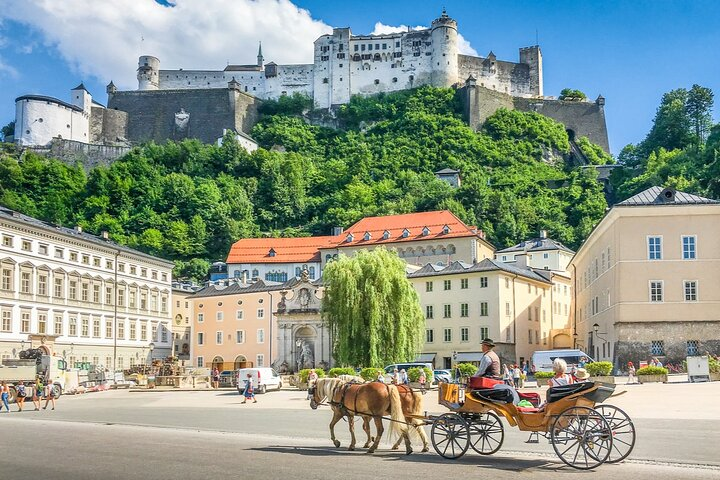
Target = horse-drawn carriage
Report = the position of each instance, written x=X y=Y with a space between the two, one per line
x=582 y=433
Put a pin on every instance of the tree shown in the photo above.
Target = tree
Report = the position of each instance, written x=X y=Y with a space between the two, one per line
x=698 y=108
x=372 y=309
x=7 y=131
x=572 y=95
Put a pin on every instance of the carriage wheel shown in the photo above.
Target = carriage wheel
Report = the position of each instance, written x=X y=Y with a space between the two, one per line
x=449 y=436
x=581 y=438
x=623 y=432
x=486 y=433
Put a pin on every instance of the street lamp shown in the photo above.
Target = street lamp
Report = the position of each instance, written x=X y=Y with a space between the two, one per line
x=599 y=335
x=151 y=347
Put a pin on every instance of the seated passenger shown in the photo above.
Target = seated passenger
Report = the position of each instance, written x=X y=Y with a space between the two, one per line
x=490 y=362
x=561 y=378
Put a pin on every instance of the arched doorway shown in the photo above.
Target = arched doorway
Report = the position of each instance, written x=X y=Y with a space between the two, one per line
x=562 y=340
x=241 y=362
x=217 y=363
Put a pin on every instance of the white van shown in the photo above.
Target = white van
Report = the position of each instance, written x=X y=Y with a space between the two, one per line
x=263 y=379
x=542 y=360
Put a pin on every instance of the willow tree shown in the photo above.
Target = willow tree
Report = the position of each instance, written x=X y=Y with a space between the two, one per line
x=373 y=309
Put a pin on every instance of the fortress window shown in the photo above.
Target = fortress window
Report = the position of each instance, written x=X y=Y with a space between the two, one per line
x=394 y=78
x=377 y=46
x=341 y=55
x=27 y=132
x=356 y=47
x=68 y=125
x=417 y=54
x=377 y=81
x=411 y=78
x=325 y=80
x=362 y=47
x=254 y=89
x=376 y=57
x=397 y=54
x=397 y=44
x=340 y=47
x=427 y=54
x=384 y=46
x=393 y=65
x=40 y=120
x=356 y=57
x=246 y=88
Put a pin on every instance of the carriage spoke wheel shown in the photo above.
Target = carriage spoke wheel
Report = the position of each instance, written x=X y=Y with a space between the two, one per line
x=581 y=438
x=623 y=432
x=449 y=435
x=486 y=433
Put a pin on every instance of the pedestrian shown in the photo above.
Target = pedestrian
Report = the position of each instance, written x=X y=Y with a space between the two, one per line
x=422 y=379
x=215 y=377
x=4 y=396
x=631 y=373
x=37 y=393
x=49 y=395
x=20 y=395
x=516 y=375
x=582 y=362
x=403 y=377
x=249 y=391
x=312 y=377
x=658 y=363
x=395 y=377
x=507 y=376
x=380 y=376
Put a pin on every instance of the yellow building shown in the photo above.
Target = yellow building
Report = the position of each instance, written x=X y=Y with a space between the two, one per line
x=182 y=315
x=646 y=279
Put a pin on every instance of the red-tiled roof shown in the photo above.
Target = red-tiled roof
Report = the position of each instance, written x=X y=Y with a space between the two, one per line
x=286 y=250
x=414 y=223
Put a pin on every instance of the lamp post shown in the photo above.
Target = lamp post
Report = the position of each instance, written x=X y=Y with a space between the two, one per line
x=599 y=335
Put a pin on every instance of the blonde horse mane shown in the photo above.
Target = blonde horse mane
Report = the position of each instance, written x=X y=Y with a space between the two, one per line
x=327 y=386
x=351 y=379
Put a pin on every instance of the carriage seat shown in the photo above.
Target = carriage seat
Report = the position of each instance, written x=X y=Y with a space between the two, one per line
x=556 y=393
x=495 y=395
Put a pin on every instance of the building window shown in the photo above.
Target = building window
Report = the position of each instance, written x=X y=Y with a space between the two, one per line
x=429 y=335
x=219 y=316
x=143 y=331
x=429 y=314
x=240 y=336
x=690 y=290
x=96 y=262
x=447 y=335
x=121 y=297
x=201 y=317
x=25 y=282
x=260 y=360
x=85 y=327
x=447 y=285
x=96 y=328
x=507 y=282
x=132 y=299
x=463 y=283
x=58 y=325
x=530 y=333
x=238 y=315
x=464 y=334
x=447 y=311
x=261 y=313
x=201 y=338
x=484 y=333
x=108 y=329
x=200 y=362
x=42 y=323
x=26 y=245
x=656 y=291
x=655 y=248
x=657 y=347
x=463 y=309
x=218 y=338
x=483 y=282
x=688 y=247
x=484 y=309
x=692 y=348
x=507 y=308
x=84 y=289
x=121 y=330
x=428 y=286
x=7 y=241
x=109 y=295
x=42 y=284
x=43 y=249
x=260 y=335
x=96 y=293
x=72 y=327
x=7 y=280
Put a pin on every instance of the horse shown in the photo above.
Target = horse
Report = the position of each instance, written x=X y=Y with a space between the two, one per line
x=351 y=379
x=371 y=399
x=412 y=406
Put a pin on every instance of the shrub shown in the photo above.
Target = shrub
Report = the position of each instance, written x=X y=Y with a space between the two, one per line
x=541 y=375
x=714 y=365
x=370 y=373
x=337 y=371
x=599 y=369
x=306 y=371
x=652 y=371
x=414 y=374
x=466 y=369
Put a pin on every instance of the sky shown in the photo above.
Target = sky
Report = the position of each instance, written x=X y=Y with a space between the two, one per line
x=629 y=51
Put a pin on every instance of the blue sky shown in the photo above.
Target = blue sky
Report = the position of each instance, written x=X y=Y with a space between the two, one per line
x=631 y=52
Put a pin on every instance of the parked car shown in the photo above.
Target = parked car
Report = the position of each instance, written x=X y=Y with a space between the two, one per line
x=228 y=378
x=263 y=379
x=442 y=376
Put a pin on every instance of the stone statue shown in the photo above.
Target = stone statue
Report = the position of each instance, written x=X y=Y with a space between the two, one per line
x=305 y=356
x=284 y=367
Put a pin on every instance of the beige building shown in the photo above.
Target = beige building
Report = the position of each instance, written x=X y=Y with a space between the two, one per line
x=646 y=279
x=509 y=302
x=80 y=296
x=182 y=321
x=543 y=252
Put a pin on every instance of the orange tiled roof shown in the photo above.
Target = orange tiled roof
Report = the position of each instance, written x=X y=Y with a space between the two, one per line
x=286 y=250
x=414 y=223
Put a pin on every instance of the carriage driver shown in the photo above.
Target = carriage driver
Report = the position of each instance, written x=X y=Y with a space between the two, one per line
x=490 y=363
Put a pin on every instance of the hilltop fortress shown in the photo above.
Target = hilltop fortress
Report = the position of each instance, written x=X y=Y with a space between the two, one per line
x=177 y=104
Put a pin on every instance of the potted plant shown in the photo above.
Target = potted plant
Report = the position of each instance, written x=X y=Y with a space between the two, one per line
x=714 y=369
x=414 y=375
x=466 y=370
x=337 y=371
x=600 y=372
x=652 y=374
x=542 y=377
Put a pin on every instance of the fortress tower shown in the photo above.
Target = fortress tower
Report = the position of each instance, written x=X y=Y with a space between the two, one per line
x=445 y=51
x=532 y=57
x=148 y=73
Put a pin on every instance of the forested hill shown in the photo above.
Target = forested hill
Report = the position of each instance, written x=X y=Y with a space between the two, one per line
x=188 y=201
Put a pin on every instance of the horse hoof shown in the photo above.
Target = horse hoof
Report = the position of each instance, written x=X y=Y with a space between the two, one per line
x=395 y=448
x=351 y=449
x=371 y=451
x=409 y=451
x=425 y=449
x=337 y=443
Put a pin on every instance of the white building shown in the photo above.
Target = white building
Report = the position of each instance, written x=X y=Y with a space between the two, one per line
x=543 y=253
x=58 y=290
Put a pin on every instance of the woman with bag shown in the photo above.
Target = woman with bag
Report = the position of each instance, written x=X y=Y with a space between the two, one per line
x=249 y=391
x=20 y=397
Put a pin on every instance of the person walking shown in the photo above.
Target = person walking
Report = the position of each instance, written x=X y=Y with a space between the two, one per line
x=37 y=393
x=403 y=377
x=422 y=379
x=507 y=376
x=215 y=378
x=516 y=375
x=249 y=391
x=632 y=378
x=4 y=396
x=49 y=395
x=395 y=380
x=20 y=397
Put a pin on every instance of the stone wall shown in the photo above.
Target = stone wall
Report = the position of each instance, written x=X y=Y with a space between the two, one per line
x=107 y=126
x=634 y=340
x=86 y=154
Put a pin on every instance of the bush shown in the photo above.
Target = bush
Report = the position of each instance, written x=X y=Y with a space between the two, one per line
x=414 y=374
x=572 y=95
x=652 y=371
x=337 y=371
x=541 y=375
x=714 y=365
x=466 y=369
x=599 y=369
x=306 y=371
x=369 y=374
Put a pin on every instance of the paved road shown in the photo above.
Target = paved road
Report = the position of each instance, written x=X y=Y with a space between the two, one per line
x=281 y=432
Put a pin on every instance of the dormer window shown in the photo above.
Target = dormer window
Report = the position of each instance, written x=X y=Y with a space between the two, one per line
x=349 y=238
x=446 y=230
x=386 y=235
x=425 y=231
x=367 y=236
x=405 y=233
x=271 y=253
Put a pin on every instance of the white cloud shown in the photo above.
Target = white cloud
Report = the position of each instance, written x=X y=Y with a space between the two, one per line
x=105 y=38
x=463 y=45
x=7 y=70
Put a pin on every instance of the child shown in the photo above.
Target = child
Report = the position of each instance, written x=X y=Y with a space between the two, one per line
x=631 y=373
x=249 y=390
x=422 y=379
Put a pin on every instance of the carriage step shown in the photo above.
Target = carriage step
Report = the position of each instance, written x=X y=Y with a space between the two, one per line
x=534 y=438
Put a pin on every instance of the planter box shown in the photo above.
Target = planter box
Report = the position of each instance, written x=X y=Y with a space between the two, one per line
x=715 y=377
x=663 y=378
x=604 y=379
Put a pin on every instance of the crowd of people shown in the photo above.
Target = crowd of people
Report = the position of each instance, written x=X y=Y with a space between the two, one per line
x=38 y=392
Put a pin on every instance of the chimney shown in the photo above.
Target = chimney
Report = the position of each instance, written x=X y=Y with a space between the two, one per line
x=104 y=234
x=543 y=233
x=521 y=260
x=337 y=231
x=78 y=228
x=244 y=277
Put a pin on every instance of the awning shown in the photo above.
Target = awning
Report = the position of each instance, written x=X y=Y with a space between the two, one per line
x=425 y=358
x=469 y=356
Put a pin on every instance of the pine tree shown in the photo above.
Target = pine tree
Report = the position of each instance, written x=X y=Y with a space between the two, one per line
x=372 y=309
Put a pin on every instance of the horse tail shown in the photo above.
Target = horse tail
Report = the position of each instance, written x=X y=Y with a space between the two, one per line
x=416 y=411
x=398 y=427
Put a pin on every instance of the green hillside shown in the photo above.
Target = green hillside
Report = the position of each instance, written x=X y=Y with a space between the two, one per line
x=189 y=201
